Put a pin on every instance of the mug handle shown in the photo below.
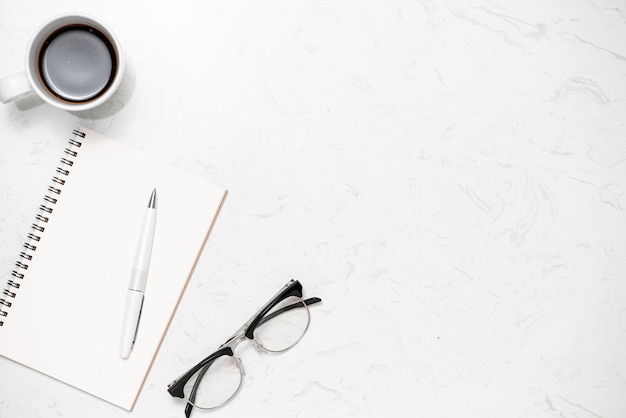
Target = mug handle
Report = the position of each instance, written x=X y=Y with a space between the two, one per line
x=14 y=86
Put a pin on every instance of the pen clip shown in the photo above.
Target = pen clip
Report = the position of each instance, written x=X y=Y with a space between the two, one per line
x=138 y=321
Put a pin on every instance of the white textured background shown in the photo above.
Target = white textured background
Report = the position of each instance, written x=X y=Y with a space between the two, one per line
x=449 y=177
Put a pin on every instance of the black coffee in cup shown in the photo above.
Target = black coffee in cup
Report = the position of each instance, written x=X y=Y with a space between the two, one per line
x=77 y=63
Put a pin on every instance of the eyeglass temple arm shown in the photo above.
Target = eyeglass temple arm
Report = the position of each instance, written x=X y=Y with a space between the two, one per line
x=188 y=409
x=194 y=390
x=307 y=302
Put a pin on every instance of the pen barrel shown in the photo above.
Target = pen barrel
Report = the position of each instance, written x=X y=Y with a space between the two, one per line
x=144 y=245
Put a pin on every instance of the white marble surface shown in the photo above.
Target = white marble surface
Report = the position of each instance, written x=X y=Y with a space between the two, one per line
x=448 y=176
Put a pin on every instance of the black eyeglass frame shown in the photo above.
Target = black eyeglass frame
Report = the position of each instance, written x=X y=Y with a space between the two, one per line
x=245 y=332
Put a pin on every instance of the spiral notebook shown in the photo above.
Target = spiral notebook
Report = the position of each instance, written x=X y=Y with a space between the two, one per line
x=61 y=311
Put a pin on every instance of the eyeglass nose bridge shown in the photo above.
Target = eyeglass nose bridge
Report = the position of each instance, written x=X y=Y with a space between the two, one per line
x=236 y=339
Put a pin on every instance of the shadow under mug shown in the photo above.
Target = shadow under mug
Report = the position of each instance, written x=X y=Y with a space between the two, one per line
x=73 y=62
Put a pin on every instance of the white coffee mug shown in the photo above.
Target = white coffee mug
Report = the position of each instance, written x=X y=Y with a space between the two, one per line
x=73 y=62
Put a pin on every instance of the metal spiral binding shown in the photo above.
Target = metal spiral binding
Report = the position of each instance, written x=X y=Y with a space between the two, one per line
x=10 y=292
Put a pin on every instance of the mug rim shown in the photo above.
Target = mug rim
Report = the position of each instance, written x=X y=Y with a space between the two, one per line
x=36 y=42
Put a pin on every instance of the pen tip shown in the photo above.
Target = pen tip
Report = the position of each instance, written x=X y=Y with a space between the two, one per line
x=152 y=202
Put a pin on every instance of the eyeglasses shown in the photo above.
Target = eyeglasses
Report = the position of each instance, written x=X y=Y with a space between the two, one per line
x=276 y=327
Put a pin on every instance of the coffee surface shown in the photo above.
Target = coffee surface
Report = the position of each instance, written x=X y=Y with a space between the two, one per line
x=76 y=65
